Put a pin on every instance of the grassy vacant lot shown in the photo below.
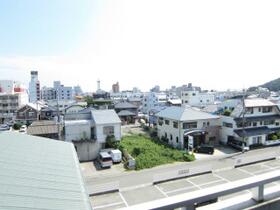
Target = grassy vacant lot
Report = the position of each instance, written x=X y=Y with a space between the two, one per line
x=149 y=153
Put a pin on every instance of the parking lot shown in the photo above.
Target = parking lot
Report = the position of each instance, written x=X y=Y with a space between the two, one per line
x=148 y=193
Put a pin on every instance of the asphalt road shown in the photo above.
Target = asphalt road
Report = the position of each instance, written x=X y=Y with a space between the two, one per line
x=135 y=179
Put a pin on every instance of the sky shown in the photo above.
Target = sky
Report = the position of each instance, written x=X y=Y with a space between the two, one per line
x=216 y=44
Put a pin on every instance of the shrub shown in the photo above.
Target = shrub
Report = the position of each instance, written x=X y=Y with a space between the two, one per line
x=274 y=137
x=227 y=112
x=111 y=142
x=149 y=152
x=17 y=126
x=278 y=134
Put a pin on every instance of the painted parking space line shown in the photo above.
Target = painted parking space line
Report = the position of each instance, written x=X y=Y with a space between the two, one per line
x=180 y=189
x=247 y=172
x=107 y=205
x=164 y=193
x=222 y=178
x=194 y=184
x=123 y=199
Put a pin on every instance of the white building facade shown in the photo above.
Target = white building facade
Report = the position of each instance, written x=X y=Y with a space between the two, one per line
x=34 y=88
x=175 y=124
x=259 y=126
x=153 y=100
x=197 y=98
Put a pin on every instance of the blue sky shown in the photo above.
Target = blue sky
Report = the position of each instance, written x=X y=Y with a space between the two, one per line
x=216 y=44
x=43 y=27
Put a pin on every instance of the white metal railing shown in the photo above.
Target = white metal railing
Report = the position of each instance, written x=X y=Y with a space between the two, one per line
x=188 y=200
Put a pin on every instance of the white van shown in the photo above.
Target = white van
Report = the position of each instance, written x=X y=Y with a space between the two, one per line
x=105 y=160
x=116 y=155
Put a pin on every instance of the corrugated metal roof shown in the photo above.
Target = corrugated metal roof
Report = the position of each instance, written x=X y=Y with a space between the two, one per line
x=184 y=114
x=43 y=127
x=39 y=173
x=108 y=116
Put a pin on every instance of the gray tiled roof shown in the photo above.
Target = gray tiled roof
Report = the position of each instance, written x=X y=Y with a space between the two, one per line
x=252 y=131
x=125 y=105
x=108 y=116
x=39 y=173
x=126 y=113
x=185 y=114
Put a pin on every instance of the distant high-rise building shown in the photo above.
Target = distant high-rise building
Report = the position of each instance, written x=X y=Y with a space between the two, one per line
x=116 y=88
x=58 y=91
x=155 y=89
x=34 y=87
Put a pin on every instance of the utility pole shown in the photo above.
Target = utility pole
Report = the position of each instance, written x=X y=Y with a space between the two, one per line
x=58 y=117
x=243 y=121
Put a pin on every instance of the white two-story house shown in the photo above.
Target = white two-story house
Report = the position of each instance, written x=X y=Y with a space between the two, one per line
x=88 y=130
x=176 y=124
x=254 y=125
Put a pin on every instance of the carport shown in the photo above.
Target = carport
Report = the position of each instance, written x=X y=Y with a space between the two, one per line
x=194 y=138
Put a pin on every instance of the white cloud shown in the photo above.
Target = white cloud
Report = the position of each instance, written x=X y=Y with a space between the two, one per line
x=214 y=44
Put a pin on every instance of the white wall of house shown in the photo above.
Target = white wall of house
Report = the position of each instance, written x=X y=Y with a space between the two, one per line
x=87 y=150
x=101 y=136
x=226 y=130
x=168 y=130
x=77 y=130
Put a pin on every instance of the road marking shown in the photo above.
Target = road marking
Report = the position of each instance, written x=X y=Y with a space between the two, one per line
x=123 y=199
x=222 y=178
x=211 y=182
x=108 y=205
x=180 y=189
x=161 y=191
x=247 y=172
x=194 y=184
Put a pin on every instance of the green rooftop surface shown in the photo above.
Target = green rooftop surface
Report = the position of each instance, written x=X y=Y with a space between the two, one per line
x=39 y=173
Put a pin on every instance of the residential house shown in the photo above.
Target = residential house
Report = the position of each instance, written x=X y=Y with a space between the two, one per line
x=28 y=113
x=45 y=128
x=152 y=100
x=127 y=112
x=88 y=130
x=252 y=125
x=186 y=127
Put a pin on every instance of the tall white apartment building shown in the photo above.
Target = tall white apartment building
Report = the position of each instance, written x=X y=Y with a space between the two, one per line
x=34 y=88
x=153 y=100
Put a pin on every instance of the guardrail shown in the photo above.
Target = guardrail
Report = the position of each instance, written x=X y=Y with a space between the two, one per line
x=188 y=200
x=102 y=188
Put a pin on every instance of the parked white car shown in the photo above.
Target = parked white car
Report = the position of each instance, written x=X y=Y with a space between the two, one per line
x=116 y=155
x=23 y=129
x=105 y=160
x=4 y=127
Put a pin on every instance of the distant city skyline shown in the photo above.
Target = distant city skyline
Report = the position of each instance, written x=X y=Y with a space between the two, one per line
x=141 y=43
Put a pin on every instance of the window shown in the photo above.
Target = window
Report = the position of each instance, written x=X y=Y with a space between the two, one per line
x=108 y=130
x=255 y=124
x=193 y=94
x=175 y=124
x=204 y=124
x=257 y=140
x=277 y=123
x=268 y=122
x=186 y=102
x=186 y=94
x=267 y=109
x=171 y=137
x=166 y=122
x=160 y=121
x=260 y=109
x=165 y=135
x=177 y=139
x=208 y=123
x=228 y=125
x=250 y=110
x=200 y=101
x=189 y=125
x=31 y=114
